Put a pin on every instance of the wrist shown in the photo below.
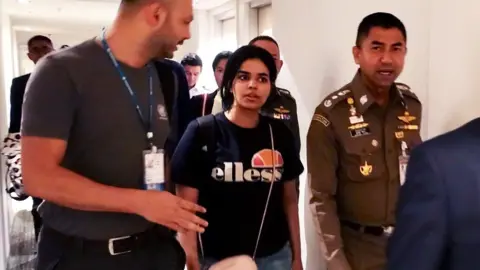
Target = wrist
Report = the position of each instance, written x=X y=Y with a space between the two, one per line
x=133 y=200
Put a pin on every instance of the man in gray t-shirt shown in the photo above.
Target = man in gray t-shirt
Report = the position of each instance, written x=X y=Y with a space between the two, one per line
x=92 y=118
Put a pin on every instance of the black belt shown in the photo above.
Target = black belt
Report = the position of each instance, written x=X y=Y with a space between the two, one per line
x=112 y=246
x=373 y=230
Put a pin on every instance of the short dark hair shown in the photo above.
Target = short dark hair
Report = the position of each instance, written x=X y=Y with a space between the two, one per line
x=264 y=38
x=378 y=19
x=191 y=59
x=220 y=56
x=38 y=38
x=234 y=63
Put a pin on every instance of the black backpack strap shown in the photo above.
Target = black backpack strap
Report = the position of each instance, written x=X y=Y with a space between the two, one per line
x=208 y=130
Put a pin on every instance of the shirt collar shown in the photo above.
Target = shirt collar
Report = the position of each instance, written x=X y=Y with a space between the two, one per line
x=363 y=98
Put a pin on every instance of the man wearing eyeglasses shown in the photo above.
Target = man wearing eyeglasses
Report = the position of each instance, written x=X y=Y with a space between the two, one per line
x=38 y=47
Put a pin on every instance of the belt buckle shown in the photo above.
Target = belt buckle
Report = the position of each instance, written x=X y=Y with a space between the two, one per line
x=111 y=247
x=388 y=230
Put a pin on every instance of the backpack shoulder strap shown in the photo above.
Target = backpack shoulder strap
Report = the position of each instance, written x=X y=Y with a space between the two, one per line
x=208 y=130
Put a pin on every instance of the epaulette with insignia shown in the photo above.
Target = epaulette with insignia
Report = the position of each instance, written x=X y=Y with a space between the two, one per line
x=406 y=90
x=331 y=100
x=284 y=91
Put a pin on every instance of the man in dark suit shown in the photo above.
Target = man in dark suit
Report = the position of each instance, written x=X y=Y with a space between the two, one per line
x=438 y=212
x=38 y=46
x=202 y=104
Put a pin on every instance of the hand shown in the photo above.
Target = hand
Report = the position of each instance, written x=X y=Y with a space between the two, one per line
x=297 y=264
x=164 y=208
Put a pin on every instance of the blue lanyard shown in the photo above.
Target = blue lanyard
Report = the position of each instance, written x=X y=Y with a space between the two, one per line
x=147 y=123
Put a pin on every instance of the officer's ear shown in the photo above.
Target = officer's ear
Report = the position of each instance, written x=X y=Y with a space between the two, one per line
x=280 y=65
x=356 y=54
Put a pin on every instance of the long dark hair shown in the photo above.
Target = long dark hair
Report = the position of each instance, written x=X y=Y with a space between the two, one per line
x=234 y=63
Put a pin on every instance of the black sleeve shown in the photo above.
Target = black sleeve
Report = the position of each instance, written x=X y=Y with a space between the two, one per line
x=16 y=101
x=292 y=165
x=50 y=101
x=196 y=103
x=295 y=127
x=188 y=166
x=182 y=114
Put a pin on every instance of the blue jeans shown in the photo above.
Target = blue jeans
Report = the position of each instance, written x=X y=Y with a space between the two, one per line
x=282 y=260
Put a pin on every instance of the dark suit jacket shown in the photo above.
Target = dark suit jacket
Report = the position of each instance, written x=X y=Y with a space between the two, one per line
x=196 y=103
x=438 y=213
x=16 y=100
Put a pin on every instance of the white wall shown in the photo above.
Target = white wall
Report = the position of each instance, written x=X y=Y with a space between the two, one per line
x=6 y=75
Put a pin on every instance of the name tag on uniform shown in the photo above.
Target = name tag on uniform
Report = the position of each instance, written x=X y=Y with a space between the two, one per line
x=154 y=169
x=403 y=162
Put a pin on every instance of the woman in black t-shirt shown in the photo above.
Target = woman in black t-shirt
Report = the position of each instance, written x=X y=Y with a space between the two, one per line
x=234 y=162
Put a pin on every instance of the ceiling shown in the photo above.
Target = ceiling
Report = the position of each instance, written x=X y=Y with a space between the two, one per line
x=68 y=20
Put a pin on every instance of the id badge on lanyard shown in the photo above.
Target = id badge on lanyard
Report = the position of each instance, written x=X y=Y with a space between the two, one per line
x=403 y=162
x=154 y=169
x=153 y=158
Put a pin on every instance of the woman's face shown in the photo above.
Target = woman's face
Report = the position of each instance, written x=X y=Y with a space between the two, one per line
x=251 y=86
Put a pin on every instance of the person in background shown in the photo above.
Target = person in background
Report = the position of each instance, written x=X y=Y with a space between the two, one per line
x=282 y=105
x=202 y=104
x=219 y=165
x=193 y=65
x=96 y=149
x=38 y=47
x=358 y=145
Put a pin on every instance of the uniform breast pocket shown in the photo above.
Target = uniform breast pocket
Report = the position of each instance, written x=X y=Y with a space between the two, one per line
x=363 y=160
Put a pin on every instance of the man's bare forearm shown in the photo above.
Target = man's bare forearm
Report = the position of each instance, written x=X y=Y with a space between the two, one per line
x=66 y=188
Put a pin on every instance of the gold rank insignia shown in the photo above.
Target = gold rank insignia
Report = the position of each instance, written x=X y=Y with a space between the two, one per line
x=407 y=118
x=366 y=169
x=358 y=126
x=281 y=110
x=399 y=134
x=408 y=127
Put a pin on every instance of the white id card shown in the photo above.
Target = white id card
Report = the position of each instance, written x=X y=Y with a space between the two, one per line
x=154 y=170
x=402 y=163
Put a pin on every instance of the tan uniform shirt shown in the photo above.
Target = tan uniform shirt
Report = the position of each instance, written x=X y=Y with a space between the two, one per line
x=354 y=149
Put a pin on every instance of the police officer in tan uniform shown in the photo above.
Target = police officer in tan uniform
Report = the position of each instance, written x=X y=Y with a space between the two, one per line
x=358 y=146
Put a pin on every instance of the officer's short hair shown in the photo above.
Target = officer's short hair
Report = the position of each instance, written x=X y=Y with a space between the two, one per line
x=264 y=38
x=234 y=63
x=192 y=59
x=220 y=57
x=378 y=19
x=38 y=38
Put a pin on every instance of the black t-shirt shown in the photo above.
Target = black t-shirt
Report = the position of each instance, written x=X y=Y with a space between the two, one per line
x=232 y=167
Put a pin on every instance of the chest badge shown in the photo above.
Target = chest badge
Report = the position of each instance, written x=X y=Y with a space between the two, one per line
x=407 y=118
x=354 y=117
x=366 y=169
x=281 y=113
x=162 y=112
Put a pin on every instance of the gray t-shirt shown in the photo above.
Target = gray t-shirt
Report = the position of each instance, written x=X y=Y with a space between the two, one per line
x=77 y=95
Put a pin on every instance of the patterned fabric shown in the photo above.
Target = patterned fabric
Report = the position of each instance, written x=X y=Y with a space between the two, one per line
x=11 y=149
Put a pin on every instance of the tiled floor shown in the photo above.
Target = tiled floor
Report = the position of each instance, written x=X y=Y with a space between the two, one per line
x=22 y=242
